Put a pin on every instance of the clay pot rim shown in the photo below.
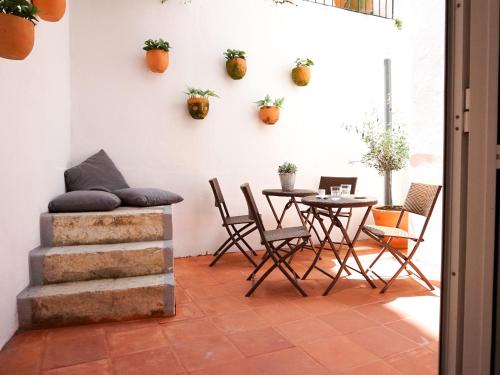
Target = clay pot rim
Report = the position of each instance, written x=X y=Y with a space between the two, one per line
x=302 y=67
x=236 y=58
x=157 y=50
x=382 y=209
x=197 y=100
x=269 y=106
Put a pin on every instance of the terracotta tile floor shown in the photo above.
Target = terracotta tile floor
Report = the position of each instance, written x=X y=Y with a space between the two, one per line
x=354 y=330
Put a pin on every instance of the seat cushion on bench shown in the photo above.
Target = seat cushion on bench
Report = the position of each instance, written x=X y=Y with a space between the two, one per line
x=84 y=201
x=147 y=197
x=98 y=172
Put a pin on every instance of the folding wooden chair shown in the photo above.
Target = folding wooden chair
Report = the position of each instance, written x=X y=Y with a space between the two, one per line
x=420 y=200
x=231 y=223
x=278 y=244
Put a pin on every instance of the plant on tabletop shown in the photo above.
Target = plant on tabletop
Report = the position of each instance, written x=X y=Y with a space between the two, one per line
x=197 y=103
x=17 y=28
x=236 y=63
x=301 y=74
x=269 y=110
x=157 y=57
x=287 y=175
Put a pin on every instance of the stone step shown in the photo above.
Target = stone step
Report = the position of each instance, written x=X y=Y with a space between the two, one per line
x=50 y=265
x=124 y=224
x=96 y=301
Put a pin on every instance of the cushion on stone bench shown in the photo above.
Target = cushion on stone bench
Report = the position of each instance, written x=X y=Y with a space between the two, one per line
x=84 y=201
x=98 y=172
x=147 y=197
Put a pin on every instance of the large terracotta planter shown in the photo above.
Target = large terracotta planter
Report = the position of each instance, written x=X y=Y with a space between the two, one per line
x=236 y=67
x=269 y=114
x=362 y=6
x=389 y=218
x=198 y=108
x=17 y=37
x=50 y=10
x=301 y=75
x=157 y=60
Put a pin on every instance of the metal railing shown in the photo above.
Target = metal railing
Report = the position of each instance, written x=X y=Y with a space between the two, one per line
x=377 y=8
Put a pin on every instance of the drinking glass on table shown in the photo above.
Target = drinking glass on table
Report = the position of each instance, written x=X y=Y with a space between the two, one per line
x=321 y=193
x=345 y=189
x=335 y=192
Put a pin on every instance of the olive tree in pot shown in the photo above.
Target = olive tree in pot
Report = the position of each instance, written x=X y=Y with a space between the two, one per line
x=287 y=175
x=388 y=151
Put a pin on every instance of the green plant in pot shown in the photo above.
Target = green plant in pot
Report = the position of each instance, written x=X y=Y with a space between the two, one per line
x=287 y=175
x=269 y=110
x=388 y=151
x=236 y=63
x=301 y=74
x=157 y=57
x=17 y=28
x=197 y=103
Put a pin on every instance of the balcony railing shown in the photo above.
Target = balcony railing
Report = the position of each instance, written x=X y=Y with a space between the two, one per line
x=378 y=8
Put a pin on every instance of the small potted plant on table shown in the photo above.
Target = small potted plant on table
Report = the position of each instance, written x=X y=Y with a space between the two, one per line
x=17 y=28
x=301 y=74
x=197 y=103
x=269 y=110
x=236 y=63
x=388 y=151
x=287 y=175
x=157 y=56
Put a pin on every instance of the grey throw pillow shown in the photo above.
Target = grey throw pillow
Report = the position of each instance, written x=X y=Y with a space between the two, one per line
x=96 y=173
x=84 y=201
x=143 y=197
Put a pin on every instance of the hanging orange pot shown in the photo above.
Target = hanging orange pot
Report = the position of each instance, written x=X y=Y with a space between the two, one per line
x=389 y=218
x=236 y=67
x=269 y=114
x=50 y=10
x=301 y=75
x=157 y=60
x=17 y=37
x=198 y=107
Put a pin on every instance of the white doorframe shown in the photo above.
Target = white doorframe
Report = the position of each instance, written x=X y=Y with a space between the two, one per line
x=472 y=61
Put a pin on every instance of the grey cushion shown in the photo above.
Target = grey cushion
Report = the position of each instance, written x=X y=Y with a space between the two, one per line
x=142 y=197
x=96 y=173
x=84 y=201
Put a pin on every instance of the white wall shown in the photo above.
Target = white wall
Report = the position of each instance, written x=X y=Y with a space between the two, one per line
x=141 y=120
x=34 y=151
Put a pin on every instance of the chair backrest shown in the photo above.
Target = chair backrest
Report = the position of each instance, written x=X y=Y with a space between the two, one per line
x=421 y=198
x=220 y=203
x=326 y=182
x=253 y=211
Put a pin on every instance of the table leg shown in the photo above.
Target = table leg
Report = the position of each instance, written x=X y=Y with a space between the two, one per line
x=350 y=251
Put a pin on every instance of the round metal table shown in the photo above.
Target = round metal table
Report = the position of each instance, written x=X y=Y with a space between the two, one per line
x=334 y=207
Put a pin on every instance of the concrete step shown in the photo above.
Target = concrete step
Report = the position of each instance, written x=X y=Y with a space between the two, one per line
x=50 y=265
x=96 y=301
x=124 y=224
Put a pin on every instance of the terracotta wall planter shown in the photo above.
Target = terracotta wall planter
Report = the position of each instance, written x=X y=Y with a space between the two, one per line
x=17 y=37
x=236 y=67
x=50 y=10
x=198 y=107
x=363 y=6
x=157 y=60
x=269 y=114
x=301 y=75
x=389 y=218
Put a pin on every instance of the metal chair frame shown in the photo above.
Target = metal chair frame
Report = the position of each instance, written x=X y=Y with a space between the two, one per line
x=278 y=254
x=236 y=234
x=406 y=260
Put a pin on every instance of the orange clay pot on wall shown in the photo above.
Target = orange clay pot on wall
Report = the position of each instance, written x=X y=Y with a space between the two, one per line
x=17 y=37
x=50 y=10
x=157 y=57
x=269 y=114
x=197 y=103
x=389 y=218
x=157 y=60
x=301 y=75
x=236 y=63
x=362 y=6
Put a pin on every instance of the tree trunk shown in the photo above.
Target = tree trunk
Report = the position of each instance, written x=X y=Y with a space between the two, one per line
x=388 y=126
x=388 y=189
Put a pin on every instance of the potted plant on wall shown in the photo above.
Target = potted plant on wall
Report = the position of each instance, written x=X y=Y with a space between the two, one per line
x=269 y=110
x=236 y=63
x=287 y=175
x=157 y=54
x=301 y=74
x=17 y=28
x=50 y=10
x=388 y=151
x=197 y=103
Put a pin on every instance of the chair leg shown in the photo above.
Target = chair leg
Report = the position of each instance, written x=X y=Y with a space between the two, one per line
x=222 y=246
x=234 y=241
